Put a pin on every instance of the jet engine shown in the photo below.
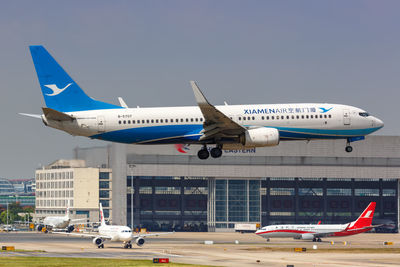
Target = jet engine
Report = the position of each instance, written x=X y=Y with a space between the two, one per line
x=259 y=137
x=139 y=241
x=98 y=241
x=70 y=228
x=307 y=236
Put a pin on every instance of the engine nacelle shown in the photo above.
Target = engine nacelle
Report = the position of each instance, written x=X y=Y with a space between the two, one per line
x=139 y=241
x=307 y=236
x=260 y=137
x=98 y=241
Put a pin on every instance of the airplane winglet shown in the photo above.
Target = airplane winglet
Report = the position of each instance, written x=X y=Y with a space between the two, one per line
x=198 y=94
x=122 y=102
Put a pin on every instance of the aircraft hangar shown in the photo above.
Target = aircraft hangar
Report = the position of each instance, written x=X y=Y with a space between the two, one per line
x=166 y=187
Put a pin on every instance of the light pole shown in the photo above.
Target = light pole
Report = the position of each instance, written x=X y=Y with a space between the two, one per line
x=7 y=213
x=131 y=166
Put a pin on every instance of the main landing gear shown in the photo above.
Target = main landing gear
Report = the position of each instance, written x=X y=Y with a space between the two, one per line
x=215 y=152
x=316 y=239
x=128 y=245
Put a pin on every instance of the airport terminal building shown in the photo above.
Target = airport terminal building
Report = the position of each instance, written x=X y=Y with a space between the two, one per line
x=165 y=187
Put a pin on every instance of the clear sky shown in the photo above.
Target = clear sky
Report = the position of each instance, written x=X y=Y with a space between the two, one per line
x=244 y=52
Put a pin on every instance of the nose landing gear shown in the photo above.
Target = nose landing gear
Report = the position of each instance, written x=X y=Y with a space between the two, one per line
x=348 y=148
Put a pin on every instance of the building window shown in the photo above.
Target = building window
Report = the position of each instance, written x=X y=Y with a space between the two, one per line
x=105 y=203
x=167 y=190
x=338 y=192
x=104 y=175
x=145 y=190
x=281 y=192
x=310 y=191
x=104 y=194
x=389 y=192
x=104 y=184
x=366 y=192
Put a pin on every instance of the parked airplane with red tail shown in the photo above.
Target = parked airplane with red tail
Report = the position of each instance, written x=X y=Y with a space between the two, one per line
x=314 y=232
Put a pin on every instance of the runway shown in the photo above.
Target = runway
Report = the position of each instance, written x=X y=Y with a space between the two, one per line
x=190 y=248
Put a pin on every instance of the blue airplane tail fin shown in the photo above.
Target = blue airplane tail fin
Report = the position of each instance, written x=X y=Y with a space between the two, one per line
x=60 y=92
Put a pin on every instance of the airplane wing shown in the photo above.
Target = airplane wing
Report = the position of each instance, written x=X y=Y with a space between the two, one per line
x=327 y=234
x=80 y=221
x=150 y=234
x=363 y=228
x=83 y=235
x=216 y=123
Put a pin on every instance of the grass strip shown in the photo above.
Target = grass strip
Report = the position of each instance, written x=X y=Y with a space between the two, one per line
x=101 y=262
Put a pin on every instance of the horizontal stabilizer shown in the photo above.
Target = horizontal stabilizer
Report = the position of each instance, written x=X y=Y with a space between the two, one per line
x=37 y=116
x=52 y=114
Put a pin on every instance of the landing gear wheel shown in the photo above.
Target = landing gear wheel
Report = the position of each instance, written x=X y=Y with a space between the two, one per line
x=216 y=152
x=130 y=245
x=314 y=240
x=203 y=153
x=349 y=149
x=319 y=239
x=126 y=245
x=101 y=246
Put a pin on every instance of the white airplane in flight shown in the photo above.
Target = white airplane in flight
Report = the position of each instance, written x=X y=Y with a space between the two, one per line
x=115 y=233
x=314 y=232
x=54 y=223
x=225 y=127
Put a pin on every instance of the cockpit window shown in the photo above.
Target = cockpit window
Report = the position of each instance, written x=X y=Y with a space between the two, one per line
x=363 y=114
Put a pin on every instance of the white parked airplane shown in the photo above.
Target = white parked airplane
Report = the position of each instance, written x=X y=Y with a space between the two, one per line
x=230 y=126
x=115 y=233
x=54 y=223
x=314 y=232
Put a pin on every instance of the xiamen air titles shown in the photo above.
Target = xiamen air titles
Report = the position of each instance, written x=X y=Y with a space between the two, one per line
x=222 y=127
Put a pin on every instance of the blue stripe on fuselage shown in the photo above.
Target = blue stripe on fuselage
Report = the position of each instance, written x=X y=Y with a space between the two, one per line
x=152 y=133
x=191 y=133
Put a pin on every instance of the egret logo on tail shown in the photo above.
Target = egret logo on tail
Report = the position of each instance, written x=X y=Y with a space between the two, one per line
x=55 y=89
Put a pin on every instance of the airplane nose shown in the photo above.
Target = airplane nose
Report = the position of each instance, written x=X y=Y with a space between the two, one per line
x=378 y=123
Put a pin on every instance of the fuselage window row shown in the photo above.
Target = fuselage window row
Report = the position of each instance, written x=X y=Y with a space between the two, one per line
x=160 y=121
x=287 y=117
x=239 y=118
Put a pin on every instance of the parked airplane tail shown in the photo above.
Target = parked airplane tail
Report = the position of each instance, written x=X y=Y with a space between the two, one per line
x=60 y=92
x=365 y=218
x=103 y=221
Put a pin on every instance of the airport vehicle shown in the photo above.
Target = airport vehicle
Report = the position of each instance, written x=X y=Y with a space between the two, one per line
x=115 y=233
x=59 y=223
x=315 y=232
x=8 y=228
x=225 y=127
